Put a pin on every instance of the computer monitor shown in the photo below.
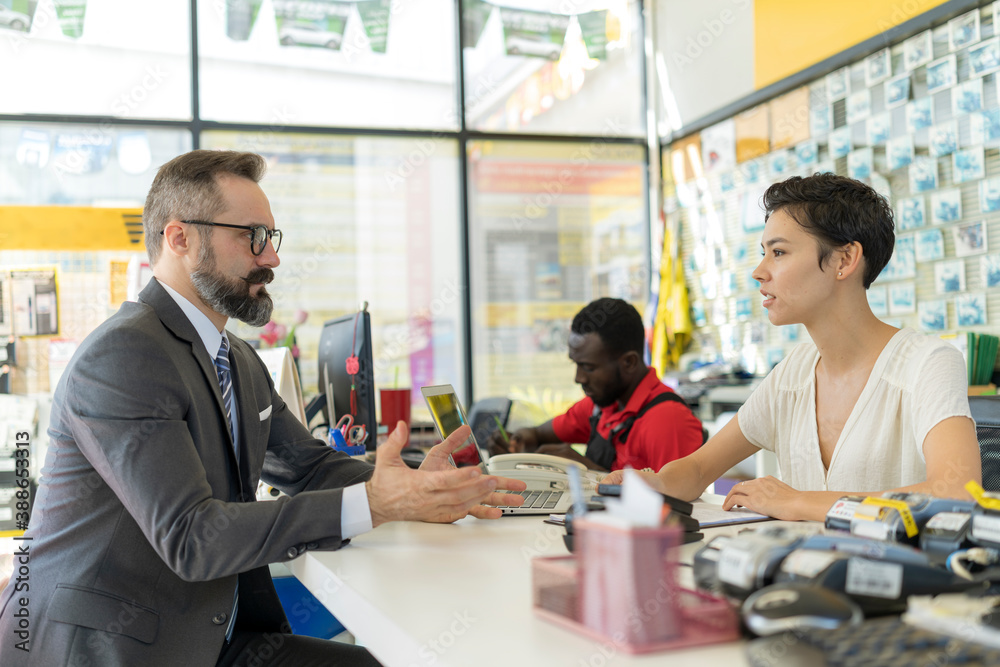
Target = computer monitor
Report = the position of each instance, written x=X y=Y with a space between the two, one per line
x=344 y=341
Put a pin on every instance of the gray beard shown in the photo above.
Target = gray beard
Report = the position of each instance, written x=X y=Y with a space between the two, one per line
x=233 y=299
x=229 y=296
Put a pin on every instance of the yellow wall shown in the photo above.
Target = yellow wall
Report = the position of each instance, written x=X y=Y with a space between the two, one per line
x=791 y=35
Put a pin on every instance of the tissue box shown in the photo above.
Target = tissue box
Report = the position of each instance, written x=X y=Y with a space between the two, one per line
x=627 y=580
x=621 y=586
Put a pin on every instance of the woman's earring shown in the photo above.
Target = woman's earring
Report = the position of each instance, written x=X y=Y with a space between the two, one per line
x=840 y=273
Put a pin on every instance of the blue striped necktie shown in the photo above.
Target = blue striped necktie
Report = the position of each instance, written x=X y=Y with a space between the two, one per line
x=226 y=384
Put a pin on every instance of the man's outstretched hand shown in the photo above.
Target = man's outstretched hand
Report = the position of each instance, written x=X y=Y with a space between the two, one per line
x=436 y=492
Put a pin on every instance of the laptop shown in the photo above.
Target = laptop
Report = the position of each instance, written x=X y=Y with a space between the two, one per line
x=548 y=482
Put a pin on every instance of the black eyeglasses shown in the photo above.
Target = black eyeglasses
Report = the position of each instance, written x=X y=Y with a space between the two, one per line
x=258 y=239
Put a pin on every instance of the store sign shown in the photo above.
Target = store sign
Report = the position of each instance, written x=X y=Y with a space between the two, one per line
x=533 y=34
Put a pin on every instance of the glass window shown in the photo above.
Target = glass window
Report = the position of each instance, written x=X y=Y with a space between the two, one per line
x=109 y=58
x=368 y=219
x=355 y=64
x=532 y=67
x=83 y=165
x=553 y=226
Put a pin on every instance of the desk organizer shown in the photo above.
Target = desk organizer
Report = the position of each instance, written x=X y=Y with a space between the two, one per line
x=622 y=587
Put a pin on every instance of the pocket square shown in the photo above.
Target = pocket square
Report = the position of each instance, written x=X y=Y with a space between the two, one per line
x=265 y=413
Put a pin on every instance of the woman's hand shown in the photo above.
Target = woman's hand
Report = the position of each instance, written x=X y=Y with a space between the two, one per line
x=766 y=495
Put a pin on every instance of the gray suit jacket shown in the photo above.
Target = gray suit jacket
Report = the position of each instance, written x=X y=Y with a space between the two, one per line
x=140 y=526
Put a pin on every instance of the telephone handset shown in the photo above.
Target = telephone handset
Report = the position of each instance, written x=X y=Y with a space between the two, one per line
x=540 y=469
x=529 y=461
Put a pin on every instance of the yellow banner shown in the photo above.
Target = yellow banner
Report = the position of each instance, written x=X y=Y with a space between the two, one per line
x=70 y=228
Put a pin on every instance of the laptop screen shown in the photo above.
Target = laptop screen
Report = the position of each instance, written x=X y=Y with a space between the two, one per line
x=448 y=415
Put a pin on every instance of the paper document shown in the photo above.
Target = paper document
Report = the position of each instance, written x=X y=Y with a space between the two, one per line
x=711 y=514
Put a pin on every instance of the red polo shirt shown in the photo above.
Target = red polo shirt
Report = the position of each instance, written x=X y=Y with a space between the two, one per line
x=668 y=431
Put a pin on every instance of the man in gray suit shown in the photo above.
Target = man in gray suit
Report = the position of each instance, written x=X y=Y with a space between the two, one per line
x=145 y=545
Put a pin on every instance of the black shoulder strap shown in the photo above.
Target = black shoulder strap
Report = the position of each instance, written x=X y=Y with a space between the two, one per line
x=625 y=427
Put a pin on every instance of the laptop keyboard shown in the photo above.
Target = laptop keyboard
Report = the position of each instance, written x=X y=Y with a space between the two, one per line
x=544 y=500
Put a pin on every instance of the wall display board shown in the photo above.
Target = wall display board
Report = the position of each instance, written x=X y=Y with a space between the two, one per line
x=920 y=122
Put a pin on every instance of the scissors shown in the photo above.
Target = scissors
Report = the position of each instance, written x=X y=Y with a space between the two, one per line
x=356 y=435
x=344 y=425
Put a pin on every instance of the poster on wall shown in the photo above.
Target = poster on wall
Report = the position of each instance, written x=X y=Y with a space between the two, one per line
x=903 y=263
x=967 y=97
x=949 y=276
x=985 y=58
x=911 y=213
x=594 y=29
x=969 y=238
x=311 y=24
x=941 y=74
x=933 y=314
x=790 y=118
x=990 y=269
x=878 y=67
x=963 y=30
x=897 y=91
x=968 y=164
x=34 y=304
x=899 y=152
x=918 y=50
x=533 y=34
x=970 y=309
x=838 y=84
x=753 y=133
x=718 y=147
x=946 y=206
x=375 y=20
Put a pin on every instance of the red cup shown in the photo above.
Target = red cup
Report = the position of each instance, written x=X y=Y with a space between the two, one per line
x=395 y=406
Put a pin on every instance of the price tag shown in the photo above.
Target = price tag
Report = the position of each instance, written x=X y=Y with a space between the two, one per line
x=807 y=563
x=734 y=566
x=986 y=527
x=947 y=521
x=843 y=509
x=875 y=530
x=867 y=577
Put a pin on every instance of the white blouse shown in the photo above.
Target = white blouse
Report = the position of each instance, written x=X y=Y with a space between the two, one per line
x=917 y=382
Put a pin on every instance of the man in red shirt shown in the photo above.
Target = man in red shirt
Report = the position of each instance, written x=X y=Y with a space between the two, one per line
x=628 y=417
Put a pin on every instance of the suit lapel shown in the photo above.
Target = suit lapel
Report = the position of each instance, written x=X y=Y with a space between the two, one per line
x=176 y=321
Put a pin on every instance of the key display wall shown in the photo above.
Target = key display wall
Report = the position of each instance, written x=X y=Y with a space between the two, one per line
x=919 y=120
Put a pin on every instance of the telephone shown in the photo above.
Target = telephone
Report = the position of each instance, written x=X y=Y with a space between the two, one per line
x=542 y=471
